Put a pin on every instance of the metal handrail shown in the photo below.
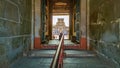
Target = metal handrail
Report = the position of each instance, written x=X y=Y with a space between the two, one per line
x=55 y=60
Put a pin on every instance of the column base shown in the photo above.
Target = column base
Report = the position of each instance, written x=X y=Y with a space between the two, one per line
x=83 y=43
x=37 y=43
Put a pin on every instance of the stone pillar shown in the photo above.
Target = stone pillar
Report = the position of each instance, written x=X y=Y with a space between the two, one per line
x=50 y=19
x=83 y=39
x=37 y=24
x=32 y=24
x=88 y=17
x=77 y=20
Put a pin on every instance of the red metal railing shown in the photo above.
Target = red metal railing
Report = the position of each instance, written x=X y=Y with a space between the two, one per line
x=57 y=61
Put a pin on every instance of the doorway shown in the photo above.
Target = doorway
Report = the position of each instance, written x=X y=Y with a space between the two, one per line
x=60 y=24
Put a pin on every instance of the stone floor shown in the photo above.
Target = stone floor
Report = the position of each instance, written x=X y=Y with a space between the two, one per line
x=70 y=53
x=31 y=62
x=74 y=59
x=57 y=42
x=79 y=62
x=86 y=62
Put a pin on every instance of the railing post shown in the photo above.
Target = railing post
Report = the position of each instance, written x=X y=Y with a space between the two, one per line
x=60 y=63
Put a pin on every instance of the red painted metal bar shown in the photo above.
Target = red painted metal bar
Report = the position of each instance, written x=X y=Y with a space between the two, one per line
x=57 y=61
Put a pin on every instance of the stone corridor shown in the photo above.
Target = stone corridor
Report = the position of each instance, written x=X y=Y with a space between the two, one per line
x=26 y=28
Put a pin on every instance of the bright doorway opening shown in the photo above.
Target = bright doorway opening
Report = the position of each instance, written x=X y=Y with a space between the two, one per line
x=60 y=23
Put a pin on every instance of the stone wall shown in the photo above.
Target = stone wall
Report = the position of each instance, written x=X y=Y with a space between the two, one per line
x=105 y=28
x=15 y=30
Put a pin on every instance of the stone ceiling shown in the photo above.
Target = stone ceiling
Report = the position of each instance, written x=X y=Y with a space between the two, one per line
x=61 y=6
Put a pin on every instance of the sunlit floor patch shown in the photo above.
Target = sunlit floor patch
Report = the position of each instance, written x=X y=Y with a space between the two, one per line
x=56 y=41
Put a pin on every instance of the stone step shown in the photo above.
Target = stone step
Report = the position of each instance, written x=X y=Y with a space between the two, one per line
x=66 y=56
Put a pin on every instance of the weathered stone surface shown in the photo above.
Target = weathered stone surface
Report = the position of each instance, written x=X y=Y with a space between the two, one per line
x=105 y=14
x=4 y=64
x=15 y=29
x=2 y=3
x=2 y=49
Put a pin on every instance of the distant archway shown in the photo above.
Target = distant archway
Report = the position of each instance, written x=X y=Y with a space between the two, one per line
x=60 y=23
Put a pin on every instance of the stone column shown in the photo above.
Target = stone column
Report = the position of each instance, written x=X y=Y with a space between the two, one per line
x=32 y=24
x=83 y=39
x=88 y=17
x=37 y=24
